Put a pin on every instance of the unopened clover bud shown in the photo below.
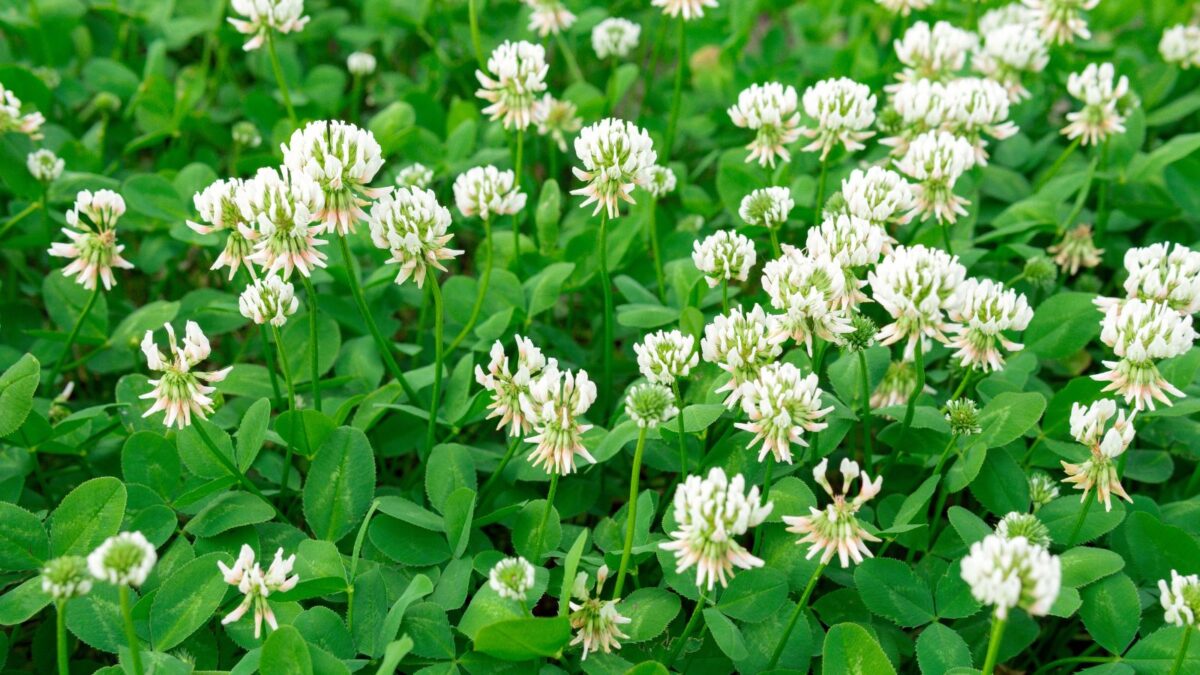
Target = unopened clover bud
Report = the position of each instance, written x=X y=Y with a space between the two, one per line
x=863 y=335
x=66 y=577
x=1040 y=271
x=963 y=416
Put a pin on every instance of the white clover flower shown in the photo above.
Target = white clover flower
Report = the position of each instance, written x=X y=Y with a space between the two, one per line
x=650 y=404
x=556 y=118
x=486 y=191
x=936 y=53
x=218 y=208
x=284 y=16
x=361 y=64
x=616 y=156
x=770 y=110
x=810 y=292
x=1180 y=45
x=343 y=160
x=281 y=210
x=615 y=37
x=724 y=255
x=509 y=386
x=246 y=134
x=516 y=76
x=836 y=530
x=768 y=207
x=1007 y=573
x=512 y=578
x=1008 y=53
x=851 y=243
x=843 y=110
x=1042 y=489
x=44 y=165
x=66 y=577
x=740 y=343
x=935 y=161
x=1165 y=273
x=1180 y=600
x=1025 y=525
x=1140 y=333
x=93 y=248
x=1012 y=14
x=11 y=119
x=916 y=286
x=270 y=299
x=904 y=7
x=981 y=311
x=414 y=175
x=975 y=107
x=1076 y=249
x=1101 y=93
x=1090 y=427
x=710 y=513
x=123 y=559
x=896 y=386
x=247 y=576
x=665 y=356
x=180 y=391
x=915 y=106
x=597 y=622
x=413 y=226
x=1061 y=21
x=555 y=404
x=660 y=181
x=549 y=16
x=781 y=404
x=688 y=9
x=878 y=195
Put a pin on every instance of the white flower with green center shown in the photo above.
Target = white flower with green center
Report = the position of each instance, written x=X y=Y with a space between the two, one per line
x=843 y=110
x=486 y=191
x=665 y=356
x=512 y=578
x=810 y=294
x=1076 y=250
x=93 y=247
x=343 y=160
x=660 y=181
x=914 y=107
x=688 y=9
x=981 y=312
x=615 y=37
x=11 y=119
x=218 y=208
x=1061 y=21
x=1024 y=525
x=123 y=559
x=616 y=156
x=782 y=404
x=768 y=207
x=1163 y=273
x=1180 y=599
x=66 y=577
x=361 y=64
x=44 y=165
x=281 y=210
x=650 y=404
x=725 y=256
x=1141 y=333
x=769 y=110
x=180 y=391
x=740 y=343
x=549 y=16
x=1010 y=53
x=1180 y=45
x=916 y=286
x=414 y=175
x=597 y=622
x=516 y=77
x=836 y=530
x=1012 y=14
x=879 y=196
x=709 y=514
x=1090 y=427
x=1007 y=573
x=556 y=118
x=852 y=243
x=963 y=416
x=1042 y=489
x=555 y=404
x=261 y=16
x=411 y=225
x=268 y=300
x=935 y=161
x=256 y=586
x=1102 y=94
x=975 y=107
x=508 y=386
x=934 y=53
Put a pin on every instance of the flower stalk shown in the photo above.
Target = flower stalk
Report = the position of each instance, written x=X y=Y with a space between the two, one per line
x=438 y=348
x=279 y=79
x=484 y=280
x=993 y=649
x=631 y=512
x=62 y=358
x=801 y=605
x=135 y=647
x=313 y=346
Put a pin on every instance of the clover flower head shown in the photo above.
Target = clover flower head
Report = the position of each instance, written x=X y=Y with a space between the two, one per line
x=770 y=110
x=740 y=343
x=508 y=385
x=935 y=53
x=1061 y=21
x=879 y=196
x=1090 y=427
x=665 y=356
x=269 y=299
x=516 y=76
x=724 y=255
x=1180 y=599
x=916 y=286
x=93 y=247
x=963 y=416
x=835 y=530
x=811 y=296
x=1076 y=250
x=415 y=175
x=555 y=404
x=1040 y=271
x=245 y=134
x=981 y=312
x=549 y=16
x=615 y=37
x=935 y=161
x=710 y=513
x=851 y=243
x=975 y=107
x=862 y=337
x=123 y=559
x=486 y=191
x=896 y=386
x=11 y=119
x=597 y=622
x=914 y=108
x=256 y=586
x=1165 y=273
x=217 y=206
x=66 y=577
x=650 y=404
x=1042 y=489
x=843 y=110
x=1012 y=14
x=1010 y=52
x=414 y=228
x=904 y=7
x=361 y=64
x=261 y=16
x=1007 y=573
x=782 y=404
x=180 y=391
x=1024 y=525
x=343 y=159
x=44 y=165
x=1180 y=45
x=616 y=156
x=660 y=181
x=768 y=207
x=1102 y=94
x=280 y=208
x=556 y=118
x=1140 y=333
x=511 y=578
x=688 y=9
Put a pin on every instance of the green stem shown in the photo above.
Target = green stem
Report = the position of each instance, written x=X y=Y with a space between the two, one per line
x=683 y=465
x=791 y=624
x=1102 y=198
x=313 y=345
x=919 y=359
x=962 y=385
x=518 y=165
x=677 y=96
x=269 y=356
x=993 y=650
x=437 y=359
x=33 y=206
x=606 y=289
x=1183 y=648
x=1087 y=505
x=1080 y=199
x=820 y=192
x=1058 y=163
x=945 y=226
x=280 y=81
x=758 y=532
x=291 y=402
x=60 y=634
x=357 y=550
x=233 y=470
x=135 y=647
x=541 y=531
x=484 y=279
x=652 y=226
x=513 y=444
x=725 y=296
x=87 y=308
x=473 y=17
x=631 y=513
x=356 y=94
x=572 y=64
x=865 y=381
x=771 y=230
x=687 y=631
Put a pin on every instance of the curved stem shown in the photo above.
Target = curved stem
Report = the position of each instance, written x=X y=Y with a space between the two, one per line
x=1183 y=648
x=687 y=631
x=437 y=359
x=484 y=279
x=313 y=344
x=541 y=531
x=291 y=392
x=993 y=650
x=513 y=444
x=962 y=385
x=677 y=96
x=282 y=83
x=1087 y=505
x=1058 y=163
x=683 y=466
x=33 y=206
x=473 y=17
x=652 y=225
x=631 y=513
x=87 y=308
x=60 y=635
x=919 y=359
x=801 y=605
x=865 y=382
x=233 y=470
x=606 y=289
x=572 y=64
x=135 y=647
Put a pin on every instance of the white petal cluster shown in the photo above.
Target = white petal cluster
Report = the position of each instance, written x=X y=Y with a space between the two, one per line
x=666 y=356
x=261 y=16
x=217 y=206
x=11 y=119
x=981 y=312
x=782 y=403
x=710 y=513
x=616 y=156
x=1090 y=427
x=44 y=165
x=650 y=404
x=361 y=64
x=836 y=530
x=740 y=343
x=1011 y=14
x=597 y=622
x=724 y=255
x=935 y=161
x=660 y=181
x=66 y=577
x=414 y=175
x=1009 y=53
x=1076 y=250
x=1141 y=333
x=512 y=578
x=878 y=195
x=1165 y=273
x=852 y=243
x=770 y=110
x=124 y=559
x=1101 y=92
x=810 y=294
x=768 y=207
x=270 y=299
x=934 y=53
x=897 y=385
x=180 y=391
x=343 y=160
x=843 y=110
x=281 y=208
x=414 y=227
x=615 y=37
x=556 y=118
x=509 y=385
x=515 y=79
x=1007 y=573
x=975 y=107
x=549 y=16
x=916 y=286
x=555 y=404
x=904 y=7
x=256 y=586
x=915 y=107
x=1180 y=599
x=486 y=191
x=1180 y=45
x=688 y=9
x=93 y=247
x=1061 y=21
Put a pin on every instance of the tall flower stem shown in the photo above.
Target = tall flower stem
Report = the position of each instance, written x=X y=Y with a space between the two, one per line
x=356 y=94
x=725 y=296
x=1087 y=505
x=939 y=503
x=945 y=227
x=541 y=531
x=993 y=650
x=824 y=175
x=438 y=319
x=865 y=383
x=1102 y=198
x=773 y=231
x=489 y=484
x=791 y=624
x=569 y=56
x=473 y=17
x=1058 y=163
x=60 y=637
x=518 y=165
x=282 y=83
x=484 y=279
x=385 y=350
x=919 y=359
x=677 y=96
x=758 y=533
x=62 y=358
x=291 y=403
x=269 y=356
x=630 y=513
x=652 y=229
x=1183 y=649
x=687 y=631
x=606 y=289
x=135 y=647
x=233 y=470
x=33 y=206
x=683 y=466
x=313 y=346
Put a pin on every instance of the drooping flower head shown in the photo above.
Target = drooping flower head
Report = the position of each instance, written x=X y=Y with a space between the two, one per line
x=976 y=107
x=1102 y=94
x=1180 y=599
x=770 y=110
x=270 y=299
x=343 y=160
x=1024 y=525
x=1141 y=333
x=710 y=513
x=414 y=175
x=256 y=586
x=414 y=228
x=660 y=181
x=66 y=577
x=597 y=622
x=555 y=404
x=1090 y=427
x=879 y=196
x=180 y=391
x=1076 y=249
x=650 y=404
x=665 y=356
x=835 y=530
x=486 y=191
x=11 y=119
x=93 y=248
x=123 y=559
x=1165 y=273
x=981 y=312
x=218 y=208
x=724 y=255
x=44 y=165
x=1180 y=45
x=615 y=37
x=1007 y=573
x=508 y=385
x=512 y=578
x=1009 y=53
x=556 y=118
x=851 y=243
x=935 y=161
x=934 y=53
x=916 y=286
x=616 y=156
x=843 y=110
x=767 y=207
x=361 y=64
x=1061 y=21
x=261 y=16
x=810 y=294
x=740 y=343
x=688 y=9
x=549 y=16
x=516 y=77
x=782 y=403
